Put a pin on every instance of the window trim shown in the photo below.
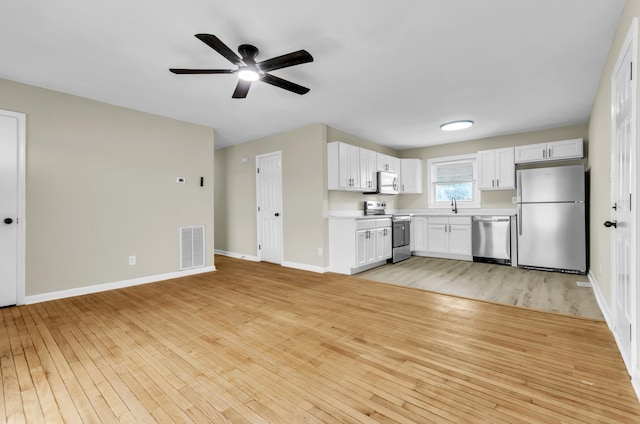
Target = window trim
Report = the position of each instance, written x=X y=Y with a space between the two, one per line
x=432 y=165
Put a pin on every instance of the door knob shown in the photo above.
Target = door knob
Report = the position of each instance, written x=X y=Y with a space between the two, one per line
x=8 y=221
x=609 y=224
x=277 y=214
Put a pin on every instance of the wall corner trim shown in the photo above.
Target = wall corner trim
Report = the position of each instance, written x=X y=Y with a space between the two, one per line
x=43 y=297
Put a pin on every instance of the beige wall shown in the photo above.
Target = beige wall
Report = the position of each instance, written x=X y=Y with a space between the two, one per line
x=304 y=188
x=490 y=199
x=599 y=162
x=101 y=187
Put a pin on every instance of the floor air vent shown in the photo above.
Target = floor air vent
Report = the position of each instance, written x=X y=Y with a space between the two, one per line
x=191 y=247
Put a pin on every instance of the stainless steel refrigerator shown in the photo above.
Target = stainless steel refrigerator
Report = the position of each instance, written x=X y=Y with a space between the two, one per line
x=551 y=218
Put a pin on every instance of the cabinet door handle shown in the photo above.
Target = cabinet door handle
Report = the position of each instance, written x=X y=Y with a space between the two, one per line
x=493 y=183
x=549 y=152
x=544 y=153
x=497 y=183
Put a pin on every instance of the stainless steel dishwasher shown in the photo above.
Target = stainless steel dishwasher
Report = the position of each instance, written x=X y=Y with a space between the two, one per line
x=491 y=239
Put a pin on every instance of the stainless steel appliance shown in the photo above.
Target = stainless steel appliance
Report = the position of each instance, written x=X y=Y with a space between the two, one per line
x=401 y=230
x=401 y=235
x=491 y=239
x=372 y=207
x=551 y=219
x=387 y=183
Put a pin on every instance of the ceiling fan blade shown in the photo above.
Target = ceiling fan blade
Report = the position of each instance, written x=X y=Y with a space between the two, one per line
x=241 y=89
x=282 y=83
x=217 y=45
x=201 y=71
x=290 y=59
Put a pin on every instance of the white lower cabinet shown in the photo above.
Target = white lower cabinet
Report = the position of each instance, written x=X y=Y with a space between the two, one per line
x=356 y=245
x=437 y=236
x=419 y=234
x=443 y=236
x=383 y=243
x=460 y=239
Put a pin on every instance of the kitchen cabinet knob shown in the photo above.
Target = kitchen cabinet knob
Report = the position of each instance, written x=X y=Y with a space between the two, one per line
x=8 y=221
x=610 y=224
x=277 y=214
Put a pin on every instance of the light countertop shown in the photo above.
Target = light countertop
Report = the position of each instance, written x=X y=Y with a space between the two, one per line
x=358 y=214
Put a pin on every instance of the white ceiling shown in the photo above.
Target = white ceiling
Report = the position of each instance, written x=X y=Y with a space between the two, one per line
x=388 y=71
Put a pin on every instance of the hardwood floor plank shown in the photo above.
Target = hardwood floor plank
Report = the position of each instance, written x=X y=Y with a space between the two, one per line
x=258 y=343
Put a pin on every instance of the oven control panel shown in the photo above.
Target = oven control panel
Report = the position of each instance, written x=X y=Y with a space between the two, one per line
x=374 y=207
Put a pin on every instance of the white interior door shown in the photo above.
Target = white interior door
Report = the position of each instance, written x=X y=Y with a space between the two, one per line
x=269 y=200
x=11 y=126
x=623 y=195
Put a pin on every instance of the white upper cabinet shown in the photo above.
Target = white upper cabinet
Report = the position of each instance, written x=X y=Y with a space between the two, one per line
x=368 y=159
x=410 y=176
x=497 y=169
x=387 y=163
x=555 y=150
x=343 y=162
x=565 y=149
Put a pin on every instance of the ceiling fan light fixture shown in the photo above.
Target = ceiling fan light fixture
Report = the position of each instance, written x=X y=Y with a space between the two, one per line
x=456 y=125
x=248 y=74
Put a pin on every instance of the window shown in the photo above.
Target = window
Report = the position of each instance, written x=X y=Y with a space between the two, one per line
x=454 y=177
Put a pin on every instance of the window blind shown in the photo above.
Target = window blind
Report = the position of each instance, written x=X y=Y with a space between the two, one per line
x=454 y=172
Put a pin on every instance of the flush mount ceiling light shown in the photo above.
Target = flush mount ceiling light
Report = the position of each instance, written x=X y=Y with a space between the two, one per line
x=456 y=125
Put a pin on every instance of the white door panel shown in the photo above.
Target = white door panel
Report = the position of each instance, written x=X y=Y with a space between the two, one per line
x=623 y=191
x=9 y=127
x=269 y=199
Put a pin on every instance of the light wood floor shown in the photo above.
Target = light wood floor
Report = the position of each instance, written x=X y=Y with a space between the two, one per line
x=258 y=343
x=547 y=291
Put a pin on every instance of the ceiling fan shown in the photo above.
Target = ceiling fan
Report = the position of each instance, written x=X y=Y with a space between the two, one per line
x=248 y=69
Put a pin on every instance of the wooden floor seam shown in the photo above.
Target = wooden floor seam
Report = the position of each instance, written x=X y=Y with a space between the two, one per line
x=259 y=343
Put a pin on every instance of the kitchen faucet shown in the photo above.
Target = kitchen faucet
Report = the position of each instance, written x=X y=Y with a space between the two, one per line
x=454 y=204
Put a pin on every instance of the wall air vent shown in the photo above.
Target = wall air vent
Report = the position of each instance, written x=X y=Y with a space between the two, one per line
x=191 y=247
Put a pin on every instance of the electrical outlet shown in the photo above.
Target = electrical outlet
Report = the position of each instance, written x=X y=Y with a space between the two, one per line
x=132 y=260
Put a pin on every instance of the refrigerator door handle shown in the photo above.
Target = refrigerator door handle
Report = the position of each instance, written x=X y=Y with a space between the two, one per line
x=519 y=219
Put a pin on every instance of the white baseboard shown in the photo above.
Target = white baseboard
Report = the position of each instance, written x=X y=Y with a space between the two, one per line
x=305 y=267
x=43 y=297
x=604 y=308
x=236 y=255
x=633 y=371
x=635 y=382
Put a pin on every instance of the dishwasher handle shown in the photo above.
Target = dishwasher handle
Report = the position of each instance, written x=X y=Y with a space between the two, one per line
x=491 y=219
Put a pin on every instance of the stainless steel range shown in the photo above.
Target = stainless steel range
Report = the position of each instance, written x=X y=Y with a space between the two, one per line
x=401 y=230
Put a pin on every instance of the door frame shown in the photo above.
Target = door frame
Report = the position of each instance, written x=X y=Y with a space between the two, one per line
x=259 y=224
x=21 y=189
x=630 y=42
